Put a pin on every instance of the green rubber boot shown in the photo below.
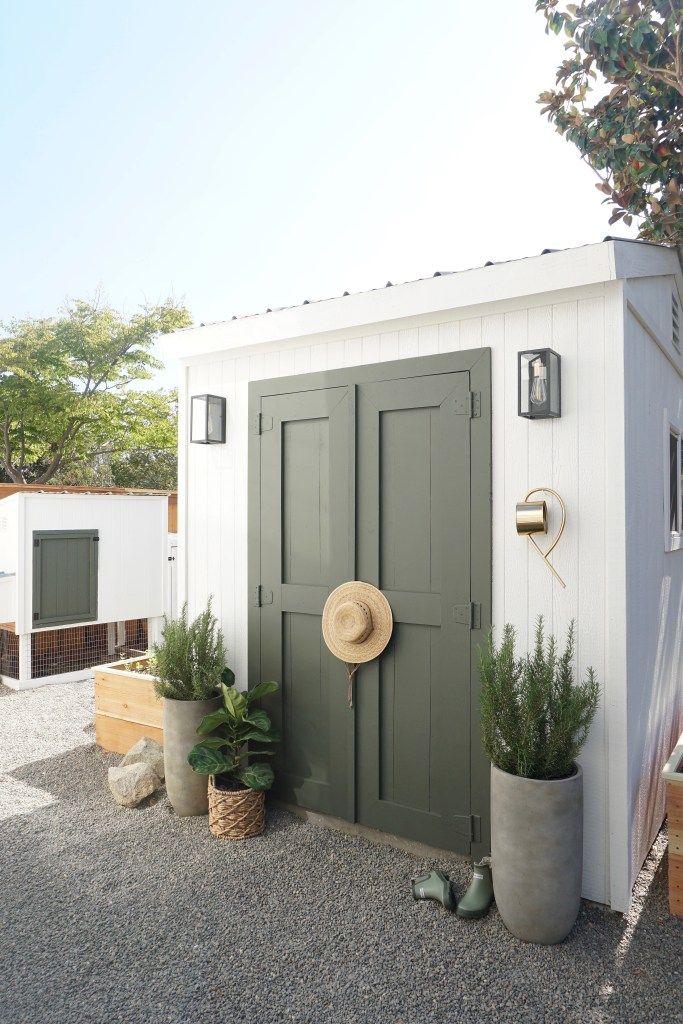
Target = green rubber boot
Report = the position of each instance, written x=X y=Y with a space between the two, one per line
x=479 y=897
x=434 y=886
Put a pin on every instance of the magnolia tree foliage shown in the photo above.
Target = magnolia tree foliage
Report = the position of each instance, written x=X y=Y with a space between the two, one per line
x=619 y=99
x=67 y=411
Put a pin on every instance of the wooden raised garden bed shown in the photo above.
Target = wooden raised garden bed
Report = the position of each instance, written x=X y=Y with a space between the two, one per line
x=673 y=776
x=126 y=706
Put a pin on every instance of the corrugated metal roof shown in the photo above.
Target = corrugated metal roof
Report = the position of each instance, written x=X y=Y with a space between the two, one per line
x=391 y=284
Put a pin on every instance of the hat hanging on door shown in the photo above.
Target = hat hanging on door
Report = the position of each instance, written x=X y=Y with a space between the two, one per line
x=357 y=625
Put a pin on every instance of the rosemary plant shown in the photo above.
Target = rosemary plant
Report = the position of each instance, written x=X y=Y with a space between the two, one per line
x=534 y=719
x=190 y=659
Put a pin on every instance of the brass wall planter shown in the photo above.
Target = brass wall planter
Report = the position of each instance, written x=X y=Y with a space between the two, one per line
x=532 y=518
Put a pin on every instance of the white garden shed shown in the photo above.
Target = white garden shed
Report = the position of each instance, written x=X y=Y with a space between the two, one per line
x=82 y=576
x=375 y=403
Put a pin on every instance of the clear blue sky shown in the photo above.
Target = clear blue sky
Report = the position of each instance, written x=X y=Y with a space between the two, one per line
x=244 y=155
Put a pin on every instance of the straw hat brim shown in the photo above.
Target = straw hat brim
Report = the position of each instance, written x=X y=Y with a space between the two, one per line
x=382 y=622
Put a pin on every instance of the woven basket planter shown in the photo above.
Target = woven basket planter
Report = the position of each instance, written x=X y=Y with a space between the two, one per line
x=236 y=813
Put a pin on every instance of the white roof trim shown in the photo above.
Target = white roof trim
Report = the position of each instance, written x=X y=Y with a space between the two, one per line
x=554 y=271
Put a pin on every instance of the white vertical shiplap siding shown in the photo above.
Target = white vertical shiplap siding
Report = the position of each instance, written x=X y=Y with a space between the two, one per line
x=654 y=398
x=570 y=454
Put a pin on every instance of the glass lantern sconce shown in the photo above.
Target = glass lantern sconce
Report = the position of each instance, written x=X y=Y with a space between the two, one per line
x=207 y=419
x=539 y=384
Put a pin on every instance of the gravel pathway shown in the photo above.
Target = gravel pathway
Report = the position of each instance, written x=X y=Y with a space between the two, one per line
x=135 y=916
x=39 y=723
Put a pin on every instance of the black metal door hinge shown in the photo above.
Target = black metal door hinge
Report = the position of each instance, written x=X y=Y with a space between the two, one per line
x=468 y=405
x=475 y=829
x=261 y=423
x=262 y=596
x=468 y=615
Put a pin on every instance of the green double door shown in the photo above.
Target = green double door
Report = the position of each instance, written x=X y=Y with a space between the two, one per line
x=379 y=473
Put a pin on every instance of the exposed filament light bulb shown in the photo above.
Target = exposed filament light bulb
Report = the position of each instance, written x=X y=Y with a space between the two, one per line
x=538 y=393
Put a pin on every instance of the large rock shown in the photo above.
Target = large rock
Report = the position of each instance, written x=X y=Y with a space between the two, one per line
x=146 y=751
x=132 y=783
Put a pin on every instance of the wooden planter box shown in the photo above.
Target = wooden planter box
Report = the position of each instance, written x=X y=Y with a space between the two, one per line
x=126 y=706
x=673 y=775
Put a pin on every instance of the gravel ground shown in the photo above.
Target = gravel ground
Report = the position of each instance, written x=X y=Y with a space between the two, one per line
x=111 y=915
x=38 y=724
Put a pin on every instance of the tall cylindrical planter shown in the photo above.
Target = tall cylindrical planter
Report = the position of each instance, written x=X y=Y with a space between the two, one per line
x=187 y=791
x=537 y=853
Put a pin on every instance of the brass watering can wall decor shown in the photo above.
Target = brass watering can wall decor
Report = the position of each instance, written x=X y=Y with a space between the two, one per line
x=532 y=518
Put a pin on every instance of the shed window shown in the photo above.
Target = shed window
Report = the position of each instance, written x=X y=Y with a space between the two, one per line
x=64 y=577
x=675 y=335
x=675 y=487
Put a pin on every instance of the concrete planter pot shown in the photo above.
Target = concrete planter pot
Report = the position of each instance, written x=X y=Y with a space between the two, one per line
x=537 y=854
x=187 y=791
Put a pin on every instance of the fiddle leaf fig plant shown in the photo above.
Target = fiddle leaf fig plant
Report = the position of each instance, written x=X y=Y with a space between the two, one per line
x=223 y=751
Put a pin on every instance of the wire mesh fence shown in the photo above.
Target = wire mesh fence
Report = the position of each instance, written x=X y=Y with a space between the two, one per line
x=57 y=651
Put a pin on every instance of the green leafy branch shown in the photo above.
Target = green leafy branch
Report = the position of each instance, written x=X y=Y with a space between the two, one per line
x=618 y=98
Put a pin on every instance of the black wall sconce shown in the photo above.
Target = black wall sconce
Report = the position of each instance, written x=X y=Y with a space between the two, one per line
x=207 y=419
x=539 y=384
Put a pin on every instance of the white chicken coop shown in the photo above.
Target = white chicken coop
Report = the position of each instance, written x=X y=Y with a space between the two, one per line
x=83 y=578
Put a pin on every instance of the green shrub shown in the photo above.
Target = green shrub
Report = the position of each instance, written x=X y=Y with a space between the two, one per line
x=190 y=659
x=534 y=719
x=223 y=753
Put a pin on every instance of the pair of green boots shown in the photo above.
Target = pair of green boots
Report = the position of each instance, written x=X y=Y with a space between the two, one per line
x=476 y=901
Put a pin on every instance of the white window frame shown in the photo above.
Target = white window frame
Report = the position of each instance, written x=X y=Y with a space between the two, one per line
x=673 y=539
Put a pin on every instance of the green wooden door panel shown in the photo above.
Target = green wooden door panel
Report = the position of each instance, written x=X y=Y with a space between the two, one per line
x=408 y=507
x=64 y=577
x=306 y=501
x=413 y=531
x=305 y=722
x=306 y=549
x=377 y=473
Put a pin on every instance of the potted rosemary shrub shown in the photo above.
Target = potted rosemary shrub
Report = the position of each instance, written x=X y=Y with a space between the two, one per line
x=189 y=663
x=534 y=723
x=237 y=784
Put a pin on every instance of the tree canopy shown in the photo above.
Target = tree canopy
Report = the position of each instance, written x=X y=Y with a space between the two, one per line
x=67 y=410
x=619 y=98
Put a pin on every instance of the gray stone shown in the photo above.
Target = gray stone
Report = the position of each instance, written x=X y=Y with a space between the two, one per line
x=146 y=751
x=131 y=783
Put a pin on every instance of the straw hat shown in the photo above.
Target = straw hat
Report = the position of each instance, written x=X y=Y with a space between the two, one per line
x=357 y=622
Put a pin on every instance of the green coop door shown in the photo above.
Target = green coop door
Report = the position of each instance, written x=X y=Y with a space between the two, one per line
x=64 y=577
x=378 y=473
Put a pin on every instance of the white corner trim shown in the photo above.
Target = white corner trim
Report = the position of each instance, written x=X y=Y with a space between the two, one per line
x=183 y=488
x=615 y=689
